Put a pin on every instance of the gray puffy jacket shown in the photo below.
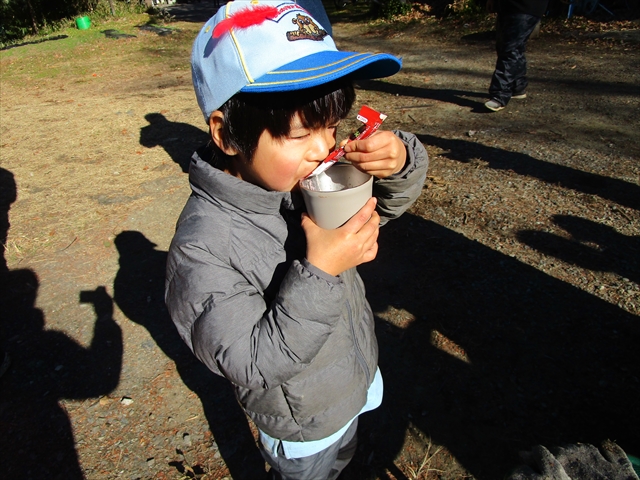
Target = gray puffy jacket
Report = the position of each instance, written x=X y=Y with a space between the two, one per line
x=298 y=344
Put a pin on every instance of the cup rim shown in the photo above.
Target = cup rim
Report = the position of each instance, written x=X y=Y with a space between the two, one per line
x=342 y=191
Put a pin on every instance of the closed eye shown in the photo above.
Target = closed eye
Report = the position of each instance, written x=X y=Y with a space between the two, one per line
x=298 y=135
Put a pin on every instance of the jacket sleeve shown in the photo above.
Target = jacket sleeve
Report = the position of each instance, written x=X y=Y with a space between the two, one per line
x=398 y=192
x=230 y=327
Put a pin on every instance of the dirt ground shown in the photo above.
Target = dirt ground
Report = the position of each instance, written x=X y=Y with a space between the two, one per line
x=507 y=298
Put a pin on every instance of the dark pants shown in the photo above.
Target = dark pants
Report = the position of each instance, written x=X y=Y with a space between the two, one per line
x=510 y=76
x=324 y=465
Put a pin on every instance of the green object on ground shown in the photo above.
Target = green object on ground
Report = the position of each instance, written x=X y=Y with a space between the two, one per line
x=635 y=462
x=83 y=23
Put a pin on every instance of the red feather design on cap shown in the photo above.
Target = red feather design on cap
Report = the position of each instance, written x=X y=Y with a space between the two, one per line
x=245 y=18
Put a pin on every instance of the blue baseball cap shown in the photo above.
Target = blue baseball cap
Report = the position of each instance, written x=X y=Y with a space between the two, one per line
x=271 y=46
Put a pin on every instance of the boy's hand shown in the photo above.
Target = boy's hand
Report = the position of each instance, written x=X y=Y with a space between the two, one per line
x=356 y=242
x=380 y=155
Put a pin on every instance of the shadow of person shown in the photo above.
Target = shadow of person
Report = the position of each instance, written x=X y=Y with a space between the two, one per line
x=487 y=356
x=139 y=293
x=619 y=191
x=8 y=195
x=178 y=139
x=447 y=95
x=47 y=367
x=592 y=245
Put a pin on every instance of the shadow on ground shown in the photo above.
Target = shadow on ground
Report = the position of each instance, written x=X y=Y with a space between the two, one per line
x=447 y=95
x=492 y=356
x=619 y=191
x=457 y=97
x=178 y=139
x=47 y=366
x=590 y=245
x=197 y=11
x=139 y=293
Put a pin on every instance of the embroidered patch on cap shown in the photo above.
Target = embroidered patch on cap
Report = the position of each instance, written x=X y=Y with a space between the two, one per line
x=307 y=29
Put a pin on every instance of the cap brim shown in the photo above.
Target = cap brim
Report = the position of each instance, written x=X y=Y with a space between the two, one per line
x=324 y=67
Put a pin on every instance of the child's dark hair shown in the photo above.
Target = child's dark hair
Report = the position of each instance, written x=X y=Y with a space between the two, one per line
x=247 y=115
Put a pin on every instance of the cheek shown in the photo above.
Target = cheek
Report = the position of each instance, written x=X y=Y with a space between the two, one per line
x=281 y=172
x=287 y=173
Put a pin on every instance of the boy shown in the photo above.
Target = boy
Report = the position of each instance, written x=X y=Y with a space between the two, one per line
x=261 y=294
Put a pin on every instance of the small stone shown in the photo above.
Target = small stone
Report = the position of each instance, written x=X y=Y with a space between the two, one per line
x=126 y=401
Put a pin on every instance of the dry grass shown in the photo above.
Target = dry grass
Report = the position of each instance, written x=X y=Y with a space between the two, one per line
x=72 y=112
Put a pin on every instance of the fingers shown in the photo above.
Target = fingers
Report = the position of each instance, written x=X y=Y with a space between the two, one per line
x=547 y=464
x=613 y=452
x=340 y=249
x=364 y=215
x=381 y=155
x=370 y=149
x=371 y=246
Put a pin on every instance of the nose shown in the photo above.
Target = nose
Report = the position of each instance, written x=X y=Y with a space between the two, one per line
x=322 y=142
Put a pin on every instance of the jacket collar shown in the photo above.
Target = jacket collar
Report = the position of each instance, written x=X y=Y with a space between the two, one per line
x=209 y=181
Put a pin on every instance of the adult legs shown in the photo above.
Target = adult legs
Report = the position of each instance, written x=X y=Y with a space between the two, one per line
x=324 y=465
x=510 y=75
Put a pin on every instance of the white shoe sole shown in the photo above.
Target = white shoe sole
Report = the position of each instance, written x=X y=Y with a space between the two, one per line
x=493 y=108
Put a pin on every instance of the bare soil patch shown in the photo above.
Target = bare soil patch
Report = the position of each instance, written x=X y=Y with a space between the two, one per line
x=508 y=298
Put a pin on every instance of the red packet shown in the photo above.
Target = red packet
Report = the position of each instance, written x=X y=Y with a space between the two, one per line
x=371 y=120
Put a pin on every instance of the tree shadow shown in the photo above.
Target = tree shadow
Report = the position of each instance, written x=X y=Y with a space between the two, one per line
x=447 y=95
x=457 y=97
x=485 y=36
x=139 y=293
x=619 y=191
x=47 y=366
x=178 y=139
x=196 y=11
x=33 y=42
x=487 y=356
x=592 y=245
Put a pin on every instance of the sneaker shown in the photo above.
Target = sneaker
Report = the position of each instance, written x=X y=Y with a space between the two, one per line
x=494 y=105
x=519 y=96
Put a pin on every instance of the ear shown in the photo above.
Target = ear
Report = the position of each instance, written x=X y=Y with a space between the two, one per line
x=216 y=122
